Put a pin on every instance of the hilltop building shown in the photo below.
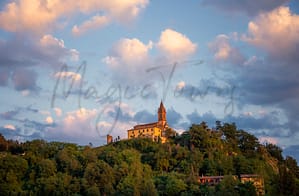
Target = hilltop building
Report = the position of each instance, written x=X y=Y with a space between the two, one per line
x=155 y=131
x=257 y=181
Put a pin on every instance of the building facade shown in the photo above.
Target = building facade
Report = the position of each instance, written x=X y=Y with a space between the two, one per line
x=255 y=179
x=155 y=131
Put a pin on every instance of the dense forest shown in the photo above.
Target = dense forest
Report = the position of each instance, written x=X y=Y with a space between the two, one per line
x=143 y=167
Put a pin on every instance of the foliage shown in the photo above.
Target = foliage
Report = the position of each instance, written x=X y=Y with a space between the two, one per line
x=143 y=167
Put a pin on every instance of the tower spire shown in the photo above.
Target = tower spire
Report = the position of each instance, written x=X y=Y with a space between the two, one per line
x=161 y=112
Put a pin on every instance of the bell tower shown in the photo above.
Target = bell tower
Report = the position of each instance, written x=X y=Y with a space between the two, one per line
x=162 y=114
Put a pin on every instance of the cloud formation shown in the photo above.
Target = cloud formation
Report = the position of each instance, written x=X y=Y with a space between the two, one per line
x=224 y=52
x=268 y=125
x=273 y=80
x=130 y=59
x=20 y=55
x=276 y=32
x=68 y=74
x=49 y=120
x=94 y=23
x=90 y=125
x=75 y=126
x=43 y=51
x=9 y=126
x=39 y=17
x=175 y=45
x=24 y=79
x=129 y=53
x=247 y=6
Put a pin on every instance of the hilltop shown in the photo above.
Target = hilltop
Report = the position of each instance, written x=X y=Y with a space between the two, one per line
x=142 y=167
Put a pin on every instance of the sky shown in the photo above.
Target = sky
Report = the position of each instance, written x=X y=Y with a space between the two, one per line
x=75 y=71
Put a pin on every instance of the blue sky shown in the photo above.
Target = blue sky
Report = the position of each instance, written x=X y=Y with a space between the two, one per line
x=229 y=60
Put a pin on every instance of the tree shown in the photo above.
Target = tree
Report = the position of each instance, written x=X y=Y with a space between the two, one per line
x=45 y=168
x=230 y=134
x=101 y=175
x=208 y=168
x=274 y=151
x=12 y=171
x=170 y=133
x=247 y=143
x=3 y=143
x=246 y=189
x=292 y=165
x=199 y=136
x=228 y=186
x=170 y=184
x=287 y=181
x=67 y=161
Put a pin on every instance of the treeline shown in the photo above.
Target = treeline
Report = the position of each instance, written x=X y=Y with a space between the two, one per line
x=143 y=167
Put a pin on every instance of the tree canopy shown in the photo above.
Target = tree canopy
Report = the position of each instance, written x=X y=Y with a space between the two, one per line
x=143 y=167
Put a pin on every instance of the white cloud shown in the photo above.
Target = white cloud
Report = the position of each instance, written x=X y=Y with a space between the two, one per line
x=25 y=93
x=11 y=127
x=58 y=111
x=175 y=45
x=21 y=52
x=126 y=109
x=26 y=15
x=68 y=74
x=50 y=41
x=277 y=32
x=223 y=50
x=49 y=120
x=262 y=112
x=77 y=126
x=124 y=11
x=269 y=140
x=128 y=52
x=44 y=112
x=248 y=113
x=74 y=55
x=221 y=47
x=41 y=16
x=55 y=48
x=94 y=23
x=84 y=125
x=129 y=59
x=180 y=85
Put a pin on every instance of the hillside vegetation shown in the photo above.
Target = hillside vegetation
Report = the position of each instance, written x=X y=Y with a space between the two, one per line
x=143 y=167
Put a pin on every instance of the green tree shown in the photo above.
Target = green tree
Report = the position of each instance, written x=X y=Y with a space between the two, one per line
x=230 y=135
x=199 y=136
x=100 y=174
x=12 y=171
x=228 y=186
x=247 y=189
x=275 y=151
x=45 y=168
x=3 y=143
x=292 y=165
x=170 y=184
x=247 y=143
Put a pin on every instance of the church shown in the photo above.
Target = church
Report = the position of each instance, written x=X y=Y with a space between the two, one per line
x=155 y=130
